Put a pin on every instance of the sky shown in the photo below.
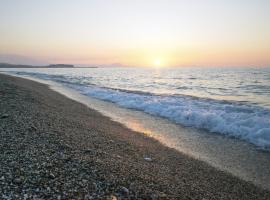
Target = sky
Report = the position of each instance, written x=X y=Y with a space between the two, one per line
x=140 y=33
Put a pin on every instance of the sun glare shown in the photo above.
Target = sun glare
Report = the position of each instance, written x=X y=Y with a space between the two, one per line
x=157 y=63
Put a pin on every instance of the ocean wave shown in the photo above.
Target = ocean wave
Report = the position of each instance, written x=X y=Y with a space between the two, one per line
x=247 y=122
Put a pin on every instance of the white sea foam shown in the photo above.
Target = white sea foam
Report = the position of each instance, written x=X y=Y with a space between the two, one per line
x=249 y=123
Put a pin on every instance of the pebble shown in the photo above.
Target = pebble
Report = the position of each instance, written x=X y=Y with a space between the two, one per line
x=17 y=180
x=124 y=191
x=33 y=128
x=25 y=196
x=52 y=176
x=148 y=159
x=112 y=197
x=4 y=116
x=84 y=181
x=88 y=151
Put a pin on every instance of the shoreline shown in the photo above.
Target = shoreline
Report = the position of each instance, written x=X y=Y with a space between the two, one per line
x=59 y=140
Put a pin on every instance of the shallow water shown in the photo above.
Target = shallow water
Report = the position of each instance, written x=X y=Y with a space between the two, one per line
x=229 y=101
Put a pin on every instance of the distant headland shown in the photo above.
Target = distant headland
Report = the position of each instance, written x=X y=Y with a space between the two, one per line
x=7 y=65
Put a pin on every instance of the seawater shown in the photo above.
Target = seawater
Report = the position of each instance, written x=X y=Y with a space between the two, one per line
x=229 y=101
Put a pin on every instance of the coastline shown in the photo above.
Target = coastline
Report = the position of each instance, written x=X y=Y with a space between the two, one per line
x=50 y=141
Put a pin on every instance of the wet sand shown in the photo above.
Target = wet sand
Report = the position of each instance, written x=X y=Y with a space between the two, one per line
x=53 y=147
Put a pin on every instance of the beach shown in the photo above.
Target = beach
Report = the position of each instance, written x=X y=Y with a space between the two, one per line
x=55 y=148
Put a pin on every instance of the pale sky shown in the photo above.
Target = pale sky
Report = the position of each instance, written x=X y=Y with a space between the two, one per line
x=138 y=32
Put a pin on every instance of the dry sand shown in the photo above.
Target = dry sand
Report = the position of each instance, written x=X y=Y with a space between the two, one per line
x=52 y=147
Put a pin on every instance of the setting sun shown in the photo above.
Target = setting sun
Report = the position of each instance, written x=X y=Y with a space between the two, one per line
x=157 y=63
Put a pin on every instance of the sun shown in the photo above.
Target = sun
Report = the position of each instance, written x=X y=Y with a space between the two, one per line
x=157 y=62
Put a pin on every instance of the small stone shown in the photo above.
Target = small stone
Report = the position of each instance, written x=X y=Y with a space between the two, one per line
x=88 y=151
x=154 y=196
x=4 y=116
x=33 y=128
x=25 y=196
x=148 y=159
x=17 y=181
x=163 y=195
x=112 y=197
x=52 y=176
x=67 y=159
x=95 y=187
x=84 y=181
x=124 y=191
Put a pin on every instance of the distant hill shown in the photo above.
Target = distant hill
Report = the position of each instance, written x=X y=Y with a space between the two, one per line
x=7 y=65
x=60 y=66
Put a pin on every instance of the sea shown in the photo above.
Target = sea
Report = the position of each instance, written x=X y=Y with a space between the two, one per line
x=227 y=101
x=219 y=115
